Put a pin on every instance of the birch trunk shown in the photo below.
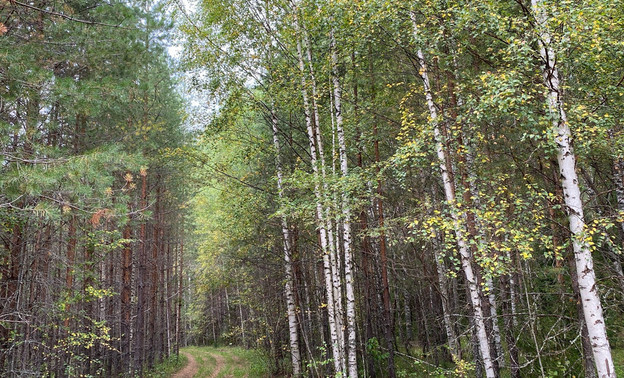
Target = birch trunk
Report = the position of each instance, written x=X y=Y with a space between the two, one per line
x=465 y=255
x=289 y=285
x=511 y=320
x=566 y=159
x=496 y=334
x=346 y=216
x=320 y=216
x=332 y=232
x=471 y=195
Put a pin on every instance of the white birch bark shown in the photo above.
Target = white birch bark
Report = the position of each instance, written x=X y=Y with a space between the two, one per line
x=464 y=252
x=289 y=285
x=332 y=233
x=320 y=214
x=337 y=289
x=336 y=243
x=566 y=159
x=474 y=193
x=494 y=316
x=240 y=304
x=332 y=237
x=346 y=216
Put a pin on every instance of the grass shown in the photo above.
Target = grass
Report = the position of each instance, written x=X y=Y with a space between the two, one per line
x=618 y=361
x=167 y=367
x=238 y=362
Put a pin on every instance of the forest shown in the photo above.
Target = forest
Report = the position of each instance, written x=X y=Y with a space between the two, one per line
x=363 y=188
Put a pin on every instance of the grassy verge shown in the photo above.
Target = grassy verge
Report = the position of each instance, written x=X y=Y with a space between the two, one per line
x=618 y=361
x=167 y=367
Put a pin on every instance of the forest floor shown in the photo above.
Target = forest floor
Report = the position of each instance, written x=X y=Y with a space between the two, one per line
x=222 y=362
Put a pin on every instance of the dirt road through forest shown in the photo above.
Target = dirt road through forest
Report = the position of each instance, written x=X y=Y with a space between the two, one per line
x=190 y=369
x=210 y=362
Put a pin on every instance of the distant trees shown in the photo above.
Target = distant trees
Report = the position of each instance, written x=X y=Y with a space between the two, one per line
x=89 y=204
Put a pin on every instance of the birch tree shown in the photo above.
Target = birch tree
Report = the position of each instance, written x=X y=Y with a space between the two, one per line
x=449 y=191
x=566 y=159
x=346 y=215
x=326 y=249
x=289 y=284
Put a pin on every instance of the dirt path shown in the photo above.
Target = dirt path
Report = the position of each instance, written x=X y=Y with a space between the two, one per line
x=190 y=369
x=220 y=362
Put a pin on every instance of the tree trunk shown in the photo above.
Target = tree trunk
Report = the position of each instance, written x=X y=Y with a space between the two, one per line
x=154 y=281
x=126 y=292
x=179 y=299
x=333 y=331
x=69 y=272
x=139 y=345
x=618 y=171
x=566 y=159
x=383 y=257
x=346 y=219
x=464 y=251
x=446 y=310
x=289 y=285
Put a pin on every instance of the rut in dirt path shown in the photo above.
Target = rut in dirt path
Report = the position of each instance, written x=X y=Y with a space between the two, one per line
x=220 y=362
x=189 y=370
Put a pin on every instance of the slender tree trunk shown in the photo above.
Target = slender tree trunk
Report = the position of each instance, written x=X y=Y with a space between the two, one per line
x=289 y=285
x=588 y=360
x=346 y=221
x=126 y=292
x=154 y=283
x=333 y=331
x=446 y=310
x=509 y=317
x=139 y=345
x=179 y=299
x=388 y=316
x=557 y=235
x=618 y=172
x=10 y=271
x=496 y=334
x=365 y=277
x=367 y=332
x=464 y=251
x=71 y=258
x=331 y=231
x=90 y=307
x=566 y=159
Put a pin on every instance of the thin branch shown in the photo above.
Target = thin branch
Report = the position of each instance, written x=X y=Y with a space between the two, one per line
x=66 y=17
